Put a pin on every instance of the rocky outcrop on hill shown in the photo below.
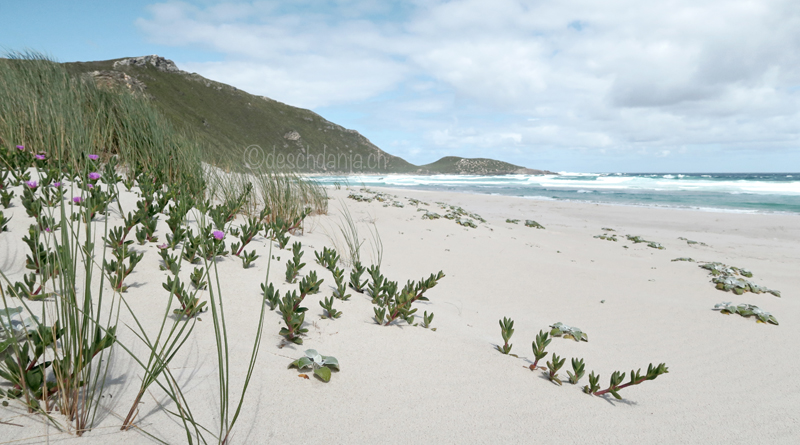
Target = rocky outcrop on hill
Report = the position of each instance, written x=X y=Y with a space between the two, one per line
x=109 y=78
x=160 y=63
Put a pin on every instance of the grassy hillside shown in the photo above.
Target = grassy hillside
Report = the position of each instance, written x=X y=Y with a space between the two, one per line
x=230 y=120
x=240 y=129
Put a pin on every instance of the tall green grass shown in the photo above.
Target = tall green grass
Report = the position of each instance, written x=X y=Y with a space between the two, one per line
x=65 y=116
x=286 y=194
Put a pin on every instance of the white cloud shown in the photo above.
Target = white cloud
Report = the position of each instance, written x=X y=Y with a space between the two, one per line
x=516 y=76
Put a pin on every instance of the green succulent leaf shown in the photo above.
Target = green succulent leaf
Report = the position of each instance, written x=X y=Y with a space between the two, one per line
x=323 y=373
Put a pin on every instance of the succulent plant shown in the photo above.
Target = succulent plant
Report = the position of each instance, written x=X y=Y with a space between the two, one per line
x=727 y=278
x=534 y=224
x=293 y=316
x=466 y=222
x=328 y=258
x=321 y=364
x=248 y=258
x=579 y=370
x=197 y=278
x=638 y=239
x=327 y=304
x=561 y=330
x=512 y=221
x=539 y=345
x=747 y=310
x=607 y=237
x=294 y=265
x=355 y=277
x=4 y=223
x=396 y=304
x=341 y=289
x=506 y=330
x=552 y=368
x=427 y=319
x=617 y=378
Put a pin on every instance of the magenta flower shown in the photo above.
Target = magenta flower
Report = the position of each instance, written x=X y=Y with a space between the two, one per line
x=218 y=234
x=77 y=199
x=20 y=147
x=90 y=186
x=39 y=157
x=32 y=184
x=94 y=157
x=94 y=176
x=55 y=184
x=47 y=229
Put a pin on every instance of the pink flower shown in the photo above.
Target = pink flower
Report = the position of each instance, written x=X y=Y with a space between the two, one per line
x=47 y=229
x=162 y=246
x=94 y=157
x=20 y=147
x=39 y=157
x=90 y=186
x=55 y=184
x=218 y=234
x=77 y=199
x=32 y=184
x=94 y=176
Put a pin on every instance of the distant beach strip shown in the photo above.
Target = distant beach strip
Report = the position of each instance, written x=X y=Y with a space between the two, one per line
x=733 y=192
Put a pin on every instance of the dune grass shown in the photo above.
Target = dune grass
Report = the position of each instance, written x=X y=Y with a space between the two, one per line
x=65 y=116
x=70 y=310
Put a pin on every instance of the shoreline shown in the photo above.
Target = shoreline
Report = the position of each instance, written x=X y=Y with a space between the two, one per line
x=577 y=201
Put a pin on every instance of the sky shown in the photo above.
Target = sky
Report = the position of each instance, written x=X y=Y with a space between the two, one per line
x=568 y=85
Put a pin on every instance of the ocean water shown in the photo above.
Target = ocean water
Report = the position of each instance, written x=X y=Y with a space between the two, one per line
x=738 y=192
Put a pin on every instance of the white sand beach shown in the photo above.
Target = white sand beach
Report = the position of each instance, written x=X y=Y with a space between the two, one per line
x=731 y=380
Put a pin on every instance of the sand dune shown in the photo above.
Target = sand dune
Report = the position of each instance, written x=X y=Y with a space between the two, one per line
x=730 y=379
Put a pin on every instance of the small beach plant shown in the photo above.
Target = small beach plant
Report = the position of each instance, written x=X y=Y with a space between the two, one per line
x=747 y=310
x=553 y=366
x=328 y=258
x=248 y=258
x=5 y=197
x=146 y=233
x=248 y=231
x=327 y=304
x=171 y=262
x=398 y=305
x=309 y=285
x=271 y=296
x=294 y=265
x=506 y=330
x=197 y=278
x=191 y=306
x=617 y=378
x=561 y=330
x=355 y=277
x=340 y=291
x=427 y=319
x=4 y=222
x=293 y=316
x=539 y=345
x=578 y=370
x=321 y=364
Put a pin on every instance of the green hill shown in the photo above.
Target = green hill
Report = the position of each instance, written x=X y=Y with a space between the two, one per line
x=240 y=128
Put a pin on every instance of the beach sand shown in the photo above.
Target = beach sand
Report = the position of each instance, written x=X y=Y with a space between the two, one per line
x=730 y=380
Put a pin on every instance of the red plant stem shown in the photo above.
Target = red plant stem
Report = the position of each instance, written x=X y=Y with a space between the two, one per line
x=396 y=311
x=617 y=388
x=244 y=243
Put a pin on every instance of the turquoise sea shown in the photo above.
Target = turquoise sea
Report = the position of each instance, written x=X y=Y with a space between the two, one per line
x=738 y=192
